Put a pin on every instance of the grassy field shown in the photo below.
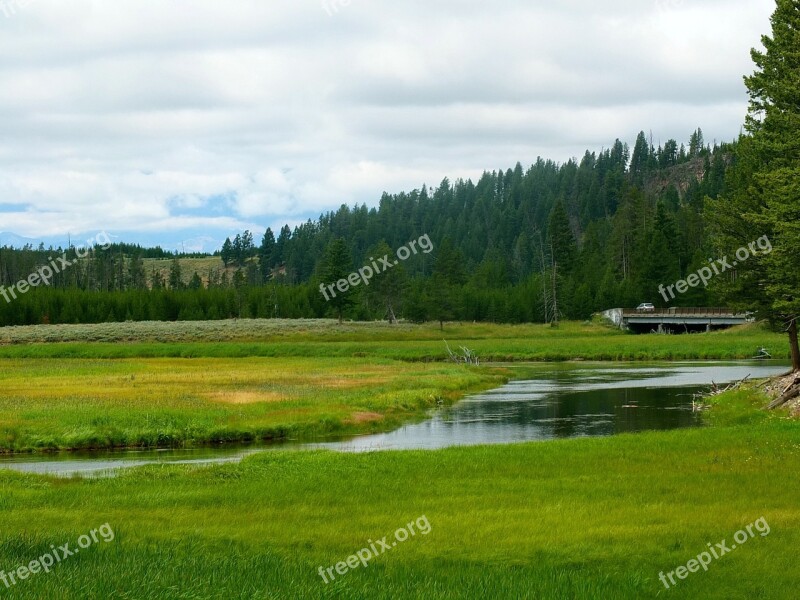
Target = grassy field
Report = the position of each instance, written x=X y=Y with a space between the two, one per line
x=189 y=266
x=176 y=384
x=328 y=339
x=586 y=518
x=48 y=404
x=595 y=518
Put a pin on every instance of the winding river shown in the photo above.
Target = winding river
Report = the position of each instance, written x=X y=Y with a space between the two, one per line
x=543 y=402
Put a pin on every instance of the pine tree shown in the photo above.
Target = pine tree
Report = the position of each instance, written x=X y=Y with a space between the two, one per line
x=281 y=246
x=386 y=289
x=561 y=240
x=238 y=250
x=248 y=247
x=337 y=265
x=175 y=276
x=445 y=283
x=641 y=158
x=265 y=254
x=763 y=201
x=227 y=252
x=696 y=143
x=196 y=282
x=774 y=122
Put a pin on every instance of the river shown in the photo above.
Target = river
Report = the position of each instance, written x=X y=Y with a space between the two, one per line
x=543 y=402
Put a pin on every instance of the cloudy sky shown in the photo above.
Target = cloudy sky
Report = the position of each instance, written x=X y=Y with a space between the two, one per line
x=184 y=121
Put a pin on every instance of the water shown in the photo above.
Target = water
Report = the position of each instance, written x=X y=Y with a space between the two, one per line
x=546 y=402
x=563 y=401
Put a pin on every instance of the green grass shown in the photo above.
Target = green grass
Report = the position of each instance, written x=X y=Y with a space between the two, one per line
x=585 y=518
x=267 y=338
x=114 y=385
x=595 y=518
x=80 y=403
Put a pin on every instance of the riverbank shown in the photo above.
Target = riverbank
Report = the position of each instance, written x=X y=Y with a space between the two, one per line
x=582 y=518
x=406 y=342
x=78 y=404
x=146 y=385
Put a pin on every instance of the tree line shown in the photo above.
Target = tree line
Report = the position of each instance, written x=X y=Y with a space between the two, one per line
x=543 y=243
x=549 y=242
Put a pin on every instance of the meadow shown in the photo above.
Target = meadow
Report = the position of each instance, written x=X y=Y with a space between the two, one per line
x=585 y=518
x=71 y=404
x=70 y=387
x=406 y=342
x=591 y=518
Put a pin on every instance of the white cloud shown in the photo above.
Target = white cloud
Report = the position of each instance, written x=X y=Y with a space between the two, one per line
x=196 y=117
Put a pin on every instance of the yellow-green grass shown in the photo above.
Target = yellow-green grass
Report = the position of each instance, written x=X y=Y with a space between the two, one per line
x=78 y=404
x=310 y=338
x=189 y=266
x=575 y=519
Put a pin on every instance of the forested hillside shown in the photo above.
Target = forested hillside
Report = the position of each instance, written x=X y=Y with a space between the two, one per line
x=542 y=243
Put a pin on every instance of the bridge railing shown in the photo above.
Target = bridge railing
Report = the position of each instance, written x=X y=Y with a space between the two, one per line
x=682 y=312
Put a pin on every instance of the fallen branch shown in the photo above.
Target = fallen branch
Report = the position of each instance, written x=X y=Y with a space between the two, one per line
x=791 y=392
x=467 y=356
x=715 y=390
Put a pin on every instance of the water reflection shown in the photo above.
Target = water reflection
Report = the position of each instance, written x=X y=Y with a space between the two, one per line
x=553 y=401
x=567 y=401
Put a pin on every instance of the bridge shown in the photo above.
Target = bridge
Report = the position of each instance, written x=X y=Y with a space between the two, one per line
x=675 y=320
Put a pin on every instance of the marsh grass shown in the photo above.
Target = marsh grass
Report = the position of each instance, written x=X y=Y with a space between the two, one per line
x=190 y=383
x=99 y=403
x=275 y=338
x=585 y=518
x=594 y=518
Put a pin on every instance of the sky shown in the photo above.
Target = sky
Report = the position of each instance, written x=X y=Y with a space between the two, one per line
x=182 y=122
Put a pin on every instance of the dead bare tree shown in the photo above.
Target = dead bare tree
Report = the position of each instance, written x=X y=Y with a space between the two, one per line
x=549 y=289
x=467 y=356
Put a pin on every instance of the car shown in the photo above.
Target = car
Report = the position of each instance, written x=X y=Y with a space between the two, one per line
x=646 y=307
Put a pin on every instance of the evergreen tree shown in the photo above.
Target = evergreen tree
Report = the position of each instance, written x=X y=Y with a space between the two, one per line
x=774 y=122
x=278 y=256
x=386 y=289
x=227 y=252
x=156 y=280
x=448 y=277
x=136 y=274
x=248 y=247
x=265 y=254
x=641 y=158
x=196 y=282
x=696 y=143
x=561 y=239
x=238 y=250
x=337 y=265
x=175 y=275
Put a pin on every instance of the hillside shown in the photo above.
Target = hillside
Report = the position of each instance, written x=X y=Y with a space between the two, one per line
x=550 y=242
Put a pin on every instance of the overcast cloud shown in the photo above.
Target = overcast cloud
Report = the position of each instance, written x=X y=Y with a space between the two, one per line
x=189 y=120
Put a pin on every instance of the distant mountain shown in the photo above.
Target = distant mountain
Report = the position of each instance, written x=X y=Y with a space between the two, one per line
x=15 y=241
x=200 y=244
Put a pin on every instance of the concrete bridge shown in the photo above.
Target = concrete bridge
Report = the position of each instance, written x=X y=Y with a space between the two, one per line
x=675 y=320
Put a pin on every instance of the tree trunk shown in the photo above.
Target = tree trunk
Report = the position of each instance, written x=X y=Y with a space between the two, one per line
x=794 y=346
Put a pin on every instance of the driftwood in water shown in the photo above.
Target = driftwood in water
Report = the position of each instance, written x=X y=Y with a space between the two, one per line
x=697 y=402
